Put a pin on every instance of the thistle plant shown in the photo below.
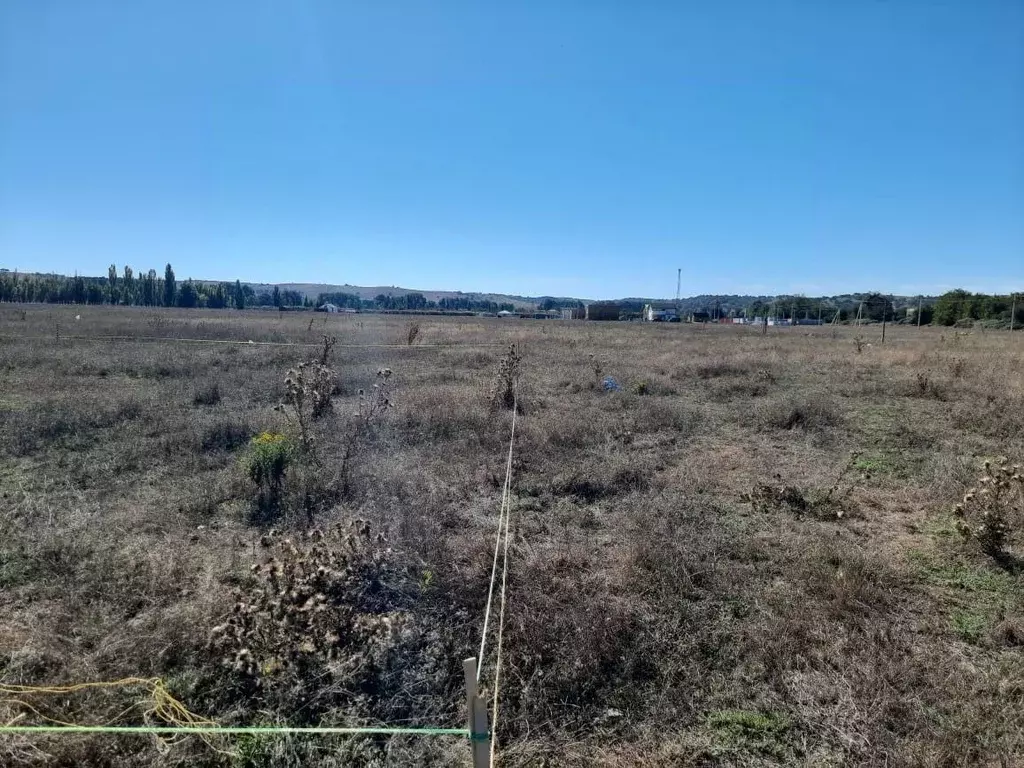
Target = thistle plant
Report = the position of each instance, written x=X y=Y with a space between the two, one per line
x=990 y=510
x=506 y=380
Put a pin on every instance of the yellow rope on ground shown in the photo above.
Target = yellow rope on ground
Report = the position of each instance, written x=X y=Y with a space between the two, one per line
x=163 y=707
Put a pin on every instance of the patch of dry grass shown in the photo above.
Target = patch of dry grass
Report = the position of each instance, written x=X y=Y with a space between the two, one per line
x=656 y=616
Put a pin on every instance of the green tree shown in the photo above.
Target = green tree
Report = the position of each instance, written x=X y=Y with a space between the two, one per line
x=218 y=297
x=112 y=284
x=170 y=287
x=276 y=297
x=128 y=286
x=239 y=295
x=877 y=306
x=188 y=297
x=952 y=306
x=148 y=288
x=77 y=292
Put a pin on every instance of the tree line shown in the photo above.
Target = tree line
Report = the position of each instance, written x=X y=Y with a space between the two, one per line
x=145 y=290
x=151 y=290
x=412 y=301
x=952 y=307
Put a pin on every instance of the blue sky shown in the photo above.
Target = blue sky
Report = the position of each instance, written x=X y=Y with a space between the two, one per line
x=567 y=148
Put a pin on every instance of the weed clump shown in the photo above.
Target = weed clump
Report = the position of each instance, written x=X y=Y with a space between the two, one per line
x=225 y=435
x=411 y=332
x=207 y=395
x=314 y=628
x=373 y=404
x=990 y=511
x=309 y=389
x=506 y=381
x=266 y=463
x=925 y=386
x=829 y=504
x=811 y=414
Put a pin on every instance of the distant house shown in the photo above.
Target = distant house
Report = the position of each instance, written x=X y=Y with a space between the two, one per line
x=653 y=313
x=327 y=308
x=506 y=313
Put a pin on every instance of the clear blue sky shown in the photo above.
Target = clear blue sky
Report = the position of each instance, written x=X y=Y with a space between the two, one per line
x=570 y=148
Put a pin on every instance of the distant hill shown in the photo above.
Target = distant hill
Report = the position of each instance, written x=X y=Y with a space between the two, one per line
x=312 y=290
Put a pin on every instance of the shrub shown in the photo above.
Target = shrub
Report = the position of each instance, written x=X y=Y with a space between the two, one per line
x=309 y=389
x=266 y=463
x=925 y=386
x=714 y=369
x=207 y=395
x=373 y=404
x=825 y=504
x=812 y=414
x=411 y=332
x=504 y=390
x=323 y=607
x=225 y=435
x=989 y=514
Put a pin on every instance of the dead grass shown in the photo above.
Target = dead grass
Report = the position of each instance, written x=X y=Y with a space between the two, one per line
x=656 y=616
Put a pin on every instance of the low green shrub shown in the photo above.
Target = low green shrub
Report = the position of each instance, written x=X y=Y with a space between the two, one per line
x=267 y=461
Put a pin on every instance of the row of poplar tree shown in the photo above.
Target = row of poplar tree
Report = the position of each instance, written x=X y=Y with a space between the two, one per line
x=147 y=290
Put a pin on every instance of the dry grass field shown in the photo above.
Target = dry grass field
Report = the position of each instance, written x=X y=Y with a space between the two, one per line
x=746 y=556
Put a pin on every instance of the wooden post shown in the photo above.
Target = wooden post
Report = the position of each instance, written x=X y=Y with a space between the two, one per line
x=476 y=719
x=919 y=300
x=884 y=313
x=1013 y=310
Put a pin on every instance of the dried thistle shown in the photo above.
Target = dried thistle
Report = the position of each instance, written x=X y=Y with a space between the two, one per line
x=989 y=515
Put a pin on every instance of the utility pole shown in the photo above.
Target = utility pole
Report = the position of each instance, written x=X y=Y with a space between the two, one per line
x=679 y=283
x=919 y=300
x=1013 y=310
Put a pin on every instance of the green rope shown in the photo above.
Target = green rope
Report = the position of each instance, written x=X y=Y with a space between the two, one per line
x=234 y=730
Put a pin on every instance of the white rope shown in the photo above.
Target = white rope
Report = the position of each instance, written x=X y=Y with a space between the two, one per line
x=502 y=530
x=501 y=625
x=249 y=343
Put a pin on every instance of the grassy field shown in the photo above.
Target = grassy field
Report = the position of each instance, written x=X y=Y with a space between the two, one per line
x=746 y=556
